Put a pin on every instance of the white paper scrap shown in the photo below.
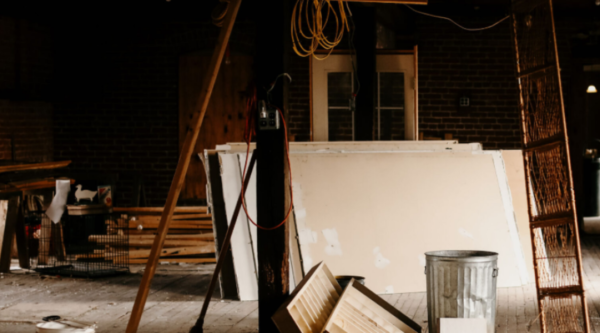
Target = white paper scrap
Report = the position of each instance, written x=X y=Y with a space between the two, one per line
x=59 y=202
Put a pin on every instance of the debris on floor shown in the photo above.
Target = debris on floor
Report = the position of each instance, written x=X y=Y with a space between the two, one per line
x=318 y=304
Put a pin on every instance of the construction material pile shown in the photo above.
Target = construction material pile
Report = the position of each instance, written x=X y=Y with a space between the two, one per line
x=189 y=240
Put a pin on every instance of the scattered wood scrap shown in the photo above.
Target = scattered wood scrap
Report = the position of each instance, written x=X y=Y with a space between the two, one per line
x=190 y=238
x=318 y=304
x=34 y=166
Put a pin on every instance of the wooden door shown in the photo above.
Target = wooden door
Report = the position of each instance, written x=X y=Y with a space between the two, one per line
x=225 y=117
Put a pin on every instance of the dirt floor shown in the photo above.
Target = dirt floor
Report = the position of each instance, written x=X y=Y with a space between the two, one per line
x=178 y=290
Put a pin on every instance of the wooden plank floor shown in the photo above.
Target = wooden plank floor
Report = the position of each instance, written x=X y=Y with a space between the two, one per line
x=178 y=290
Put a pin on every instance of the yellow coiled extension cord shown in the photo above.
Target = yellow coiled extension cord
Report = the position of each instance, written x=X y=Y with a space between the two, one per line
x=312 y=12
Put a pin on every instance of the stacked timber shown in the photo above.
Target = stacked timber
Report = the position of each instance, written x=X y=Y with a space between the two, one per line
x=190 y=238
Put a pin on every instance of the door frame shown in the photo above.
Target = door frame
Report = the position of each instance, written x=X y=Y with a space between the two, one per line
x=319 y=121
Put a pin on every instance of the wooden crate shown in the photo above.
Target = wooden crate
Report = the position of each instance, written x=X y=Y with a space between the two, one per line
x=360 y=310
x=311 y=303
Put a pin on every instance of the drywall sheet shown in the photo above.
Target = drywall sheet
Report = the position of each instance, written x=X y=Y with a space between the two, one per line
x=364 y=146
x=244 y=238
x=376 y=214
x=214 y=194
x=515 y=172
x=241 y=242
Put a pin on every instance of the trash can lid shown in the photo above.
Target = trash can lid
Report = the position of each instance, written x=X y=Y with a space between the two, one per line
x=461 y=255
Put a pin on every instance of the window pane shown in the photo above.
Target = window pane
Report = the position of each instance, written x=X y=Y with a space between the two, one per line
x=391 y=90
x=339 y=89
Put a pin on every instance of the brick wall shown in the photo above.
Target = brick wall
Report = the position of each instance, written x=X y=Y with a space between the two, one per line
x=26 y=66
x=26 y=131
x=454 y=62
x=127 y=122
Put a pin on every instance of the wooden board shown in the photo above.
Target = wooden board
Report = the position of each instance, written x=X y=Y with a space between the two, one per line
x=8 y=216
x=179 y=260
x=406 y=2
x=227 y=278
x=224 y=119
x=34 y=166
x=159 y=210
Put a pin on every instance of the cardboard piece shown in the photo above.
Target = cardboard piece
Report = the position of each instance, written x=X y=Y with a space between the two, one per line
x=462 y=325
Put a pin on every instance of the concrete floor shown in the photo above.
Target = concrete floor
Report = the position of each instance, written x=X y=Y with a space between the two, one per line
x=178 y=290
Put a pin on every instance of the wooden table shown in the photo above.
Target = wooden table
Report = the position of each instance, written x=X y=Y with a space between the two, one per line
x=11 y=213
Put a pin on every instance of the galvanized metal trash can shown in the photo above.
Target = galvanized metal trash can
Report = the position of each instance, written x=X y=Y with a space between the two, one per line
x=461 y=284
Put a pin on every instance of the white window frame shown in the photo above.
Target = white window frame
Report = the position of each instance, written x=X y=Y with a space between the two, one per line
x=404 y=62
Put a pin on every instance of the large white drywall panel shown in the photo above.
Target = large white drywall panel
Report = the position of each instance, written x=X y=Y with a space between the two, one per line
x=364 y=146
x=376 y=214
x=241 y=243
x=515 y=172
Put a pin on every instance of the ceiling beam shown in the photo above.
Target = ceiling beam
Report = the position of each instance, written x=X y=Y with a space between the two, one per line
x=407 y=2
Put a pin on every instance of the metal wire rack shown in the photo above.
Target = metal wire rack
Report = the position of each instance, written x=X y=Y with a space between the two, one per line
x=79 y=245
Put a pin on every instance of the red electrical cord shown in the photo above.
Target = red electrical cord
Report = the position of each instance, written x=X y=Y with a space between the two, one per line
x=248 y=136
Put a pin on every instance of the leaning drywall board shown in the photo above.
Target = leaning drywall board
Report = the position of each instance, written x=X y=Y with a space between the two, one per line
x=363 y=146
x=515 y=172
x=241 y=242
x=376 y=214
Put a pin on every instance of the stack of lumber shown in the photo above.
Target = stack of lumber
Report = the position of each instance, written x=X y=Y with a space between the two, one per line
x=190 y=238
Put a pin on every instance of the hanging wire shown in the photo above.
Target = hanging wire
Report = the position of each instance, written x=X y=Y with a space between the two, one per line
x=351 y=33
x=316 y=14
x=458 y=25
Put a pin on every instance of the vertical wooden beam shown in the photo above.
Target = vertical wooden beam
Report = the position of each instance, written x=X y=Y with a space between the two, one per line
x=182 y=166
x=272 y=246
x=7 y=232
x=21 y=238
x=416 y=83
x=365 y=38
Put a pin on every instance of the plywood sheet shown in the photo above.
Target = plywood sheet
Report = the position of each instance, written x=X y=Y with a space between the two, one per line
x=375 y=214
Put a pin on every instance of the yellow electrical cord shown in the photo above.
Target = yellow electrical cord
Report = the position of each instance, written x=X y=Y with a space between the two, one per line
x=312 y=12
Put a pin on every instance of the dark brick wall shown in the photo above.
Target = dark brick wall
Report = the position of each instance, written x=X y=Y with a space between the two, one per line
x=26 y=67
x=454 y=62
x=128 y=125
x=26 y=131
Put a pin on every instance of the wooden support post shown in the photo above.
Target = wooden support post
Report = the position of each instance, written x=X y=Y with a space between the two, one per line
x=365 y=60
x=272 y=246
x=182 y=166
x=21 y=239
x=198 y=327
x=7 y=232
